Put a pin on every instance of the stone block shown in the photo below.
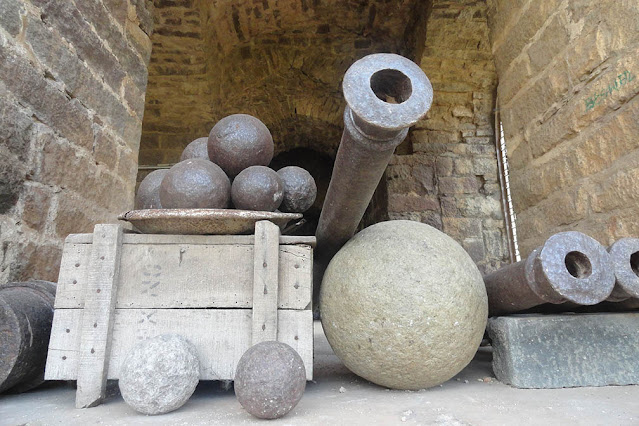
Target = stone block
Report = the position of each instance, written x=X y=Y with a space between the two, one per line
x=36 y=206
x=10 y=16
x=458 y=185
x=79 y=33
x=411 y=203
x=558 y=351
x=51 y=106
x=462 y=227
x=15 y=126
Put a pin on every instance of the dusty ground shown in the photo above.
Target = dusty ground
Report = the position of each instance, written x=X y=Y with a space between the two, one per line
x=339 y=397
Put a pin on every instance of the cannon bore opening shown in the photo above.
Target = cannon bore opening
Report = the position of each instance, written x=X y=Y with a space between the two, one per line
x=578 y=264
x=634 y=262
x=391 y=86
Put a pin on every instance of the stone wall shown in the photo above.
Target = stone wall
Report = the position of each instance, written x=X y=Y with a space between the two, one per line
x=72 y=82
x=281 y=61
x=448 y=175
x=568 y=84
x=284 y=61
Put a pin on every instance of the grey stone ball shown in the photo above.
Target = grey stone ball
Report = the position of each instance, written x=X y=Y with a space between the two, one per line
x=270 y=380
x=403 y=305
x=148 y=196
x=195 y=183
x=159 y=375
x=257 y=188
x=196 y=149
x=300 y=189
x=240 y=141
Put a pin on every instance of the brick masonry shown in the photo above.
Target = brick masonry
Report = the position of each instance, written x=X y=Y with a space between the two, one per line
x=283 y=62
x=72 y=81
x=568 y=84
x=448 y=174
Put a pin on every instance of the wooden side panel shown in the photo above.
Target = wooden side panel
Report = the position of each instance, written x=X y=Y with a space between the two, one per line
x=99 y=311
x=221 y=337
x=265 y=285
x=73 y=275
x=132 y=238
x=188 y=276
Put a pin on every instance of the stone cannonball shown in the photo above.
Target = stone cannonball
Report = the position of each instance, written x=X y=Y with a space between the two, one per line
x=299 y=189
x=160 y=374
x=403 y=305
x=270 y=380
x=196 y=149
x=257 y=188
x=148 y=196
x=195 y=183
x=240 y=141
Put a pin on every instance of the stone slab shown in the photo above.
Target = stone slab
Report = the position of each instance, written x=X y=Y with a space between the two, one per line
x=571 y=350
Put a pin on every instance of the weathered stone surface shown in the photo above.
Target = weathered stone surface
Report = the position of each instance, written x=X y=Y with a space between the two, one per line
x=148 y=196
x=299 y=189
x=270 y=380
x=411 y=313
x=10 y=16
x=195 y=183
x=257 y=188
x=557 y=351
x=159 y=374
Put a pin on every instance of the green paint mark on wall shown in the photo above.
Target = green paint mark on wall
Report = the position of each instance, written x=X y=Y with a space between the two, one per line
x=597 y=98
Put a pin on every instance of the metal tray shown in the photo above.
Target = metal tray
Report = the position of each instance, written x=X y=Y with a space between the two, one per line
x=202 y=221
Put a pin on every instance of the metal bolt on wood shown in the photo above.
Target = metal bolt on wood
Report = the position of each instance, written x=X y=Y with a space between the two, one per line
x=385 y=95
x=569 y=267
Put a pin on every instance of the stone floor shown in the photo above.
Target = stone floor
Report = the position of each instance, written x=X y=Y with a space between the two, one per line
x=337 y=397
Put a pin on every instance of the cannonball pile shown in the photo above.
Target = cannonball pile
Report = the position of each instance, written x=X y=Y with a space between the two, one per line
x=229 y=168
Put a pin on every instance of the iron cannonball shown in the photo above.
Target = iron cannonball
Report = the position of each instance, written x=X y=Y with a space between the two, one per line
x=196 y=149
x=299 y=189
x=257 y=188
x=159 y=374
x=403 y=305
x=270 y=380
x=240 y=141
x=148 y=196
x=195 y=183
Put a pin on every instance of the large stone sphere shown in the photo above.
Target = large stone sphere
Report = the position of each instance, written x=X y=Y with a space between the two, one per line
x=240 y=141
x=257 y=188
x=195 y=183
x=299 y=189
x=196 y=149
x=403 y=305
x=148 y=196
x=270 y=380
x=159 y=375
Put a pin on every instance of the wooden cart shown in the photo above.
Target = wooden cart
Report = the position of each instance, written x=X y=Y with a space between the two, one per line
x=223 y=293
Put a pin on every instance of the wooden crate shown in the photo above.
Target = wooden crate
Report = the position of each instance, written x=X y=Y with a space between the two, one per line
x=223 y=293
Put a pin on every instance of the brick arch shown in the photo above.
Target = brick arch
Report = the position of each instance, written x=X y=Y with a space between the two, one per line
x=281 y=61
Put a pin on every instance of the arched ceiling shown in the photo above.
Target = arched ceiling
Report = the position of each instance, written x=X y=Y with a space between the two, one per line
x=281 y=61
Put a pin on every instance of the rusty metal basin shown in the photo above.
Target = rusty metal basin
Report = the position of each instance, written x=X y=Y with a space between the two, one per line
x=202 y=221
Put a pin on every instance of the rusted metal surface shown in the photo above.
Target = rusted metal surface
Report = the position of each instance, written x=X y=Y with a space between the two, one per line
x=300 y=189
x=270 y=379
x=26 y=313
x=196 y=149
x=195 y=183
x=625 y=260
x=385 y=94
x=240 y=141
x=148 y=196
x=257 y=188
x=202 y=221
x=569 y=267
